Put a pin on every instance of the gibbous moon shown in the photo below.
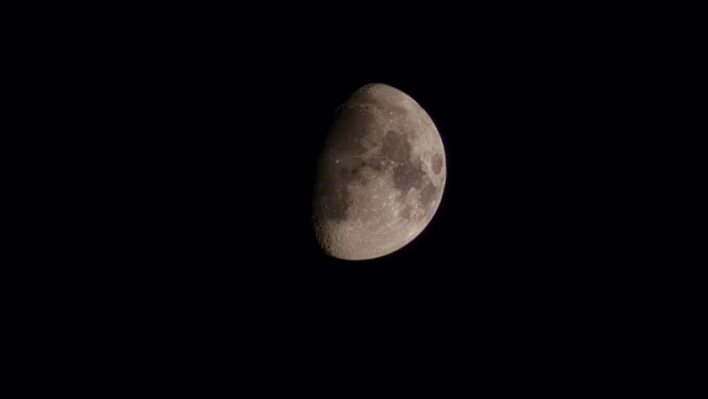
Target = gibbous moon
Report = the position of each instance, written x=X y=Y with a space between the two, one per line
x=380 y=175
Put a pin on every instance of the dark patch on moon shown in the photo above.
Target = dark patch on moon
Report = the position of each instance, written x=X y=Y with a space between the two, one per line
x=336 y=200
x=437 y=163
x=357 y=174
x=406 y=174
x=347 y=127
x=376 y=162
x=396 y=147
x=335 y=194
x=428 y=193
x=334 y=189
x=345 y=141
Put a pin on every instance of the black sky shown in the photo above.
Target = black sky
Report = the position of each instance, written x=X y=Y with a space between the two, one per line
x=202 y=133
x=224 y=132
x=211 y=128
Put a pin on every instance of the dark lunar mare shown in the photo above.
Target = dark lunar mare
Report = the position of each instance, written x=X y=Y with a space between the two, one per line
x=335 y=198
x=407 y=174
x=345 y=143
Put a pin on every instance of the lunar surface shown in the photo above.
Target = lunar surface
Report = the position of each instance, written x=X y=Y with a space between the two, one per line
x=380 y=176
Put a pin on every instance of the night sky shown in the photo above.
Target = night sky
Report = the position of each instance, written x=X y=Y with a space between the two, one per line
x=226 y=147
x=195 y=170
x=212 y=142
x=224 y=135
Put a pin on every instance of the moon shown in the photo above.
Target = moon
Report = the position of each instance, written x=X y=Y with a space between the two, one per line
x=380 y=175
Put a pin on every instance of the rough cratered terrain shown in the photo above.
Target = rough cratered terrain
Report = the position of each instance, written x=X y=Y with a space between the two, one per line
x=380 y=176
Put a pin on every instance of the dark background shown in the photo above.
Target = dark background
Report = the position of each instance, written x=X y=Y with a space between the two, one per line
x=194 y=137
x=221 y=135
x=210 y=130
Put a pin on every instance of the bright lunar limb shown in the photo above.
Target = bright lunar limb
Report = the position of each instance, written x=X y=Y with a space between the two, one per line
x=380 y=176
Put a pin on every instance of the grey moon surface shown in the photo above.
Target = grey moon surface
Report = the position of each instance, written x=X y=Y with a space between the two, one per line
x=380 y=175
